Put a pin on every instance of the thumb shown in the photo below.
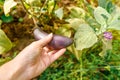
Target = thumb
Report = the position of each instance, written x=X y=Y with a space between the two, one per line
x=36 y=46
x=44 y=41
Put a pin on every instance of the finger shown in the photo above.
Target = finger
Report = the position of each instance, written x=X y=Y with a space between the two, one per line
x=46 y=49
x=58 y=54
x=43 y=42
x=52 y=52
x=37 y=46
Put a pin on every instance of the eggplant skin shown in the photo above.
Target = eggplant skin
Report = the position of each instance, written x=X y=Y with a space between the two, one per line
x=58 y=41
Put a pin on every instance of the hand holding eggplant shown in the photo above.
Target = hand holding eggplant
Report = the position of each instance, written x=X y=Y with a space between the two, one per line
x=58 y=41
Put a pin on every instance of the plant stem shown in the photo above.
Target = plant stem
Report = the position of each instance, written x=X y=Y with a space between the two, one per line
x=25 y=7
x=81 y=65
x=54 y=7
x=46 y=1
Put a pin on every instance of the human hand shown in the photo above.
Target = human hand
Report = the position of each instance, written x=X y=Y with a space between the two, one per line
x=33 y=60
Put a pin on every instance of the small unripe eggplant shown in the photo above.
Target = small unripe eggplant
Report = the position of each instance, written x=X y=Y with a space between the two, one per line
x=57 y=42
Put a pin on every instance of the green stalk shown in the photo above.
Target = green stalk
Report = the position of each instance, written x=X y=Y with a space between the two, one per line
x=54 y=7
x=81 y=65
x=22 y=1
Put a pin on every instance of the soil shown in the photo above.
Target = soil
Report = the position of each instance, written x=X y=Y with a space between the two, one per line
x=20 y=33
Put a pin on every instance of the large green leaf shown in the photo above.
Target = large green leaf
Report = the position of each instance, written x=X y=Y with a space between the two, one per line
x=115 y=22
x=6 y=19
x=102 y=16
x=8 y=4
x=85 y=37
x=5 y=43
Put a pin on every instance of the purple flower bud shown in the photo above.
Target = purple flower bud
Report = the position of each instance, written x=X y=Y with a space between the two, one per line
x=107 y=35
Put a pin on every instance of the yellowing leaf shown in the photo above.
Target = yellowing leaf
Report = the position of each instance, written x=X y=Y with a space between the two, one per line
x=76 y=12
x=8 y=4
x=36 y=3
x=64 y=30
x=76 y=52
x=5 y=43
x=2 y=49
x=75 y=22
x=85 y=37
x=30 y=1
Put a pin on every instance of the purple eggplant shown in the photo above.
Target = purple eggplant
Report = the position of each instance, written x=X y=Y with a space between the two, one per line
x=58 y=41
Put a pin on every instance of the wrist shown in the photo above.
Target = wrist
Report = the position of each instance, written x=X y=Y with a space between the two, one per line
x=12 y=71
x=7 y=71
x=18 y=73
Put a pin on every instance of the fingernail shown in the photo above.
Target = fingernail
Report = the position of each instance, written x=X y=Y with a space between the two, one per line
x=51 y=34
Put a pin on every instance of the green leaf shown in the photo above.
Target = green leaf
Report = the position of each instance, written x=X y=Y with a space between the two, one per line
x=0 y=23
x=1 y=2
x=51 y=5
x=5 y=43
x=110 y=7
x=4 y=60
x=59 y=13
x=115 y=22
x=8 y=4
x=6 y=19
x=85 y=37
x=20 y=19
x=102 y=16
